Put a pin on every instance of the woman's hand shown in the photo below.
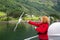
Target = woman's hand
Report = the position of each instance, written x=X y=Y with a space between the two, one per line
x=27 y=20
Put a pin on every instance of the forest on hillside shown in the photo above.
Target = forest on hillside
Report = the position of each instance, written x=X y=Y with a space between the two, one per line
x=14 y=8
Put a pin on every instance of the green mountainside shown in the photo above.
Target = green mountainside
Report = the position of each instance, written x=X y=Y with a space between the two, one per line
x=36 y=7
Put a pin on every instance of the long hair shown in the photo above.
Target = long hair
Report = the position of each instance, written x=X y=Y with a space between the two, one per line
x=45 y=19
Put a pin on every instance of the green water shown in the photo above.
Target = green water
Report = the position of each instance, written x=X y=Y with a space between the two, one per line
x=22 y=32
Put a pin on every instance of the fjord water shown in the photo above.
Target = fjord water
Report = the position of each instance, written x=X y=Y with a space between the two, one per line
x=22 y=32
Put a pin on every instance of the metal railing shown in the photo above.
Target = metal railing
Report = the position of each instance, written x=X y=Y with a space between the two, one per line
x=51 y=35
x=31 y=37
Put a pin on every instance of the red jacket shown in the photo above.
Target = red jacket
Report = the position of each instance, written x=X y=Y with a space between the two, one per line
x=41 y=29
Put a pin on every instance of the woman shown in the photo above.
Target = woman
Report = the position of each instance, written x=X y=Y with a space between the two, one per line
x=41 y=27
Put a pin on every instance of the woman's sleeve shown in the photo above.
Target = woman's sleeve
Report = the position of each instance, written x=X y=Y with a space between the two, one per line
x=42 y=29
x=33 y=23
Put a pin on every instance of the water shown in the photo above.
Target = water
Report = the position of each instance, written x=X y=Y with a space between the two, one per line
x=22 y=32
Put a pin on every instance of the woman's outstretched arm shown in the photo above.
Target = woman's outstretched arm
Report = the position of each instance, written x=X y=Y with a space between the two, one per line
x=33 y=23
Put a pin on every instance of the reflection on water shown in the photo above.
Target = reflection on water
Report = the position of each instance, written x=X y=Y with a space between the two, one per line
x=22 y=32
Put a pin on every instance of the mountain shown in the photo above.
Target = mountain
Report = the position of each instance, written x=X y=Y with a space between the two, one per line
x=36 y=7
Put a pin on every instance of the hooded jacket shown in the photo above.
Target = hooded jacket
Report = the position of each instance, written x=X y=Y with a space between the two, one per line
x=41 y=29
